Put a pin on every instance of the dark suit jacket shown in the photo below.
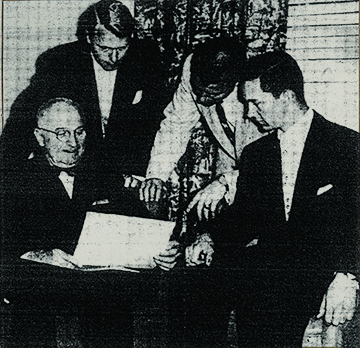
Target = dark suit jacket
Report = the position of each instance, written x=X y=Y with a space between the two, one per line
x=322 y=233
x=67 y=71
x=37 y=213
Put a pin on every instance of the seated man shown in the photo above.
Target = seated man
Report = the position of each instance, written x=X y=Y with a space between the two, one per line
x=116 y=78
x=294 y=225
x=43 y=206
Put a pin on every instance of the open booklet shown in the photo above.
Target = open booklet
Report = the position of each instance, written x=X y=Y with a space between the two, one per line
x=110 y=241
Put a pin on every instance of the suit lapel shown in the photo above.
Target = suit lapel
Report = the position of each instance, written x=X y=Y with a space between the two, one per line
x=272 y=176
x=308 y=178
x=217 y=130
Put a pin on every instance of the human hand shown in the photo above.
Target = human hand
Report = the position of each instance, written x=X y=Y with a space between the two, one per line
x=55 y=257
x=168 y=259
x=201 y=251
x=207 y=200
x=131 y=181
x=152 y=190
x=338 y=304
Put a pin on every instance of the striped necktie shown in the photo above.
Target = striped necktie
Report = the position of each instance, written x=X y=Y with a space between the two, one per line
x=221 y=113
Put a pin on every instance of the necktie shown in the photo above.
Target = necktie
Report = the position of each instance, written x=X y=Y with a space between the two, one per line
x=58 y=170
x=229 y=133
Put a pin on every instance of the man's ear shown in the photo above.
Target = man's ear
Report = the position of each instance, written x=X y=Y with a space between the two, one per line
x=39 y=137
x=289 y=95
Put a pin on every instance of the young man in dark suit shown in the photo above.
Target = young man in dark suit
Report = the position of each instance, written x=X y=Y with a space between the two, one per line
x=115 y=77
x=291 y=239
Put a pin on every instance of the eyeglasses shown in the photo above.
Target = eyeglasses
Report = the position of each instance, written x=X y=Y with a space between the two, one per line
x=64 y=134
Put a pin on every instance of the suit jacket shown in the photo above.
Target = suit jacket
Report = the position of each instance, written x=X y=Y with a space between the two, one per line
x=182 y=115
x=37 y=213
x=67 y=71
x=322 y=233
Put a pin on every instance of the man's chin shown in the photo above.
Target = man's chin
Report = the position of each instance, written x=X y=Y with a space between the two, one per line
x=109 y=67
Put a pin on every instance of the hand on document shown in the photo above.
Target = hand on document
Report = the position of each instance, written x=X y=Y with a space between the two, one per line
x=167 y=259
x=55 y=257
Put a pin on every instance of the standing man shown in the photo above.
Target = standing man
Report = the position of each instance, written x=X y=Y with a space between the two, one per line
x=115 y=77
x=295 y=220
x=207 y=93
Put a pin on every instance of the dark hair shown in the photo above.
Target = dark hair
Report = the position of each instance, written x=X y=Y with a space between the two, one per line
x=278 y=72
x=114 y=15
x=218 y=59
x=48 y=104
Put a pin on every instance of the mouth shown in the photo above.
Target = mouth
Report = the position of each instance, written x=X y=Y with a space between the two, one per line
x=71 y=151
x=261 y=124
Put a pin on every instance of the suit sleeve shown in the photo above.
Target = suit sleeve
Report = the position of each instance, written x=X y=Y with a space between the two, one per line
x=181 y=116
x=17 y=140
x=229 y=230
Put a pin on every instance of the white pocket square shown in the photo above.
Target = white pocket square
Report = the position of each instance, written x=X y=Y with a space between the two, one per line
x=323 y=189
x=252 y=243
x=138 y=97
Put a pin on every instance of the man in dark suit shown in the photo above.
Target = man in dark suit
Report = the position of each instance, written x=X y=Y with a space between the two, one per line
x=43 y=206
x=115 y=77
x=291 y=239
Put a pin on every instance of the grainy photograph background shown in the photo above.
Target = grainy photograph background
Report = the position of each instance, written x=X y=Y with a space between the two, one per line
x=322 y=35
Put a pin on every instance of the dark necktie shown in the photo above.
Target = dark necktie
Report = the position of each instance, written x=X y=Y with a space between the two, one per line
x=58 y=170
x=229 y=133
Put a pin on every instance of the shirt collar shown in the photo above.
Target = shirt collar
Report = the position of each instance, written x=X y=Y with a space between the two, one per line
x=99 y=69
x=302 y=126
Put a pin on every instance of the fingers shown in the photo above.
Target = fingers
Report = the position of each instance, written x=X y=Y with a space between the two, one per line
x=205 y=207
x=349 y=305
x=151 y=190
x=207 y=200
x=198 y=254
x=340 y=300
x=127 y=181
x=167 y=262
x=130 y=181
x=335 y=314
x=322 y=308
x=192 y=256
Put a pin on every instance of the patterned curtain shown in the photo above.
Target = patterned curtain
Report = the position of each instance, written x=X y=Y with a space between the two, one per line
x=177 y=26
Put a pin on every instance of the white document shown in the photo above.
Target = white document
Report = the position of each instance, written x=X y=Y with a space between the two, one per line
x=110 y=240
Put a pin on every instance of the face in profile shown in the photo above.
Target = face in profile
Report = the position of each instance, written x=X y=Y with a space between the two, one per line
x=263 y=109
x=212 y=93
x=108 y=49
x=62 y=135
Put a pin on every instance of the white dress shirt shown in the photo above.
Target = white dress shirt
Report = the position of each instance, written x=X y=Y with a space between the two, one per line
x=105 y=82
x=292 y=144
x=68 y=182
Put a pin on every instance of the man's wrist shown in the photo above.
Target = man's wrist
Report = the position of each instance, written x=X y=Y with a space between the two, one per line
x=222 y=180
x=204 y=238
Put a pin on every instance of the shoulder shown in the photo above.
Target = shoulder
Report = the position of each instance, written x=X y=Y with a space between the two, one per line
x=144 y=48
x=334 y=135
x=63 y=54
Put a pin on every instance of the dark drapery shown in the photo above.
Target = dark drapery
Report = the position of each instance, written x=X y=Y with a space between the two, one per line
x=177 y=26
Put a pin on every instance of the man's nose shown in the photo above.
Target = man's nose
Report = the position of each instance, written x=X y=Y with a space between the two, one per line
x=250 y=111
x=73 y=141
x=114 y=57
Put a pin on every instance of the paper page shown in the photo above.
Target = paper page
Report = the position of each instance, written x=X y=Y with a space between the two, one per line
x=117 y=240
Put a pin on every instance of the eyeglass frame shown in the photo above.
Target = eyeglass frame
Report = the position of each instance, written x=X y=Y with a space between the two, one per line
x=67 y=131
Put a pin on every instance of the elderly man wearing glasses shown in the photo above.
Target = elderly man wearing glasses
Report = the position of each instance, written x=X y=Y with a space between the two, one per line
x=43 y=206
x=117 y=79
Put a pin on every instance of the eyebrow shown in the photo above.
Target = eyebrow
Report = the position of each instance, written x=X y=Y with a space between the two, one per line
x=63 y=128
x=112 y=48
